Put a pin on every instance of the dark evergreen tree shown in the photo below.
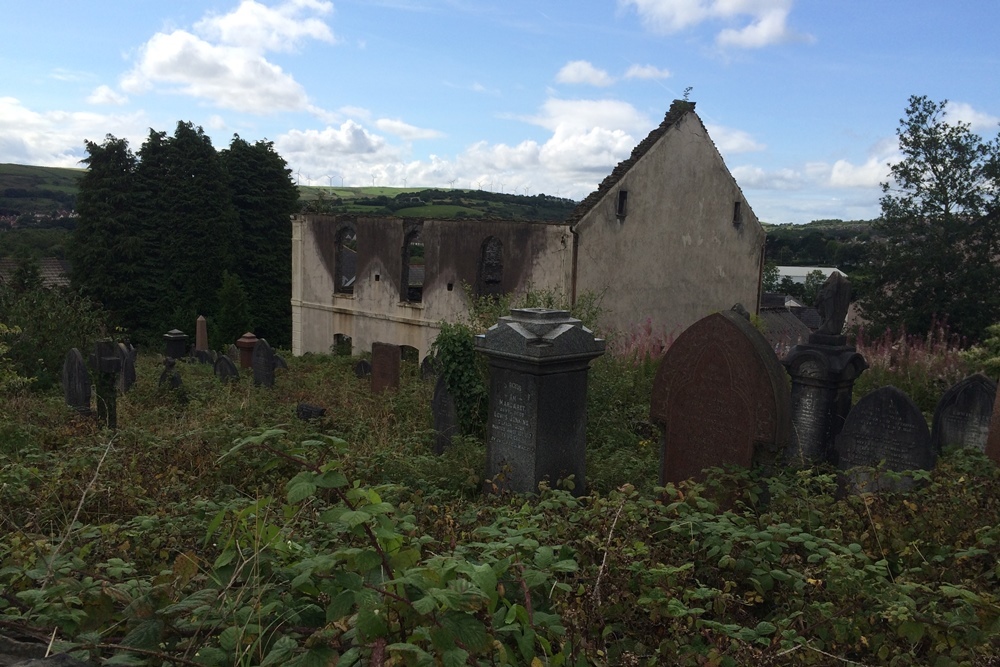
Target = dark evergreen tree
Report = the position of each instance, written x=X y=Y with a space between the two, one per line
x=232 y=317
x=106 y=248
x=939 y=233
x=264 y=197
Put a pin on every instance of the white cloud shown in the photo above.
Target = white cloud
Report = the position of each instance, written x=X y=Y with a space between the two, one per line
x=349 y=139
x=581 y=71
x=106 y=95
x=748 y=176
x=977 y=120
x=761 y=22
x=646 y=72
x=730 y=141
x=260 y=28
x=873 y=171
x=405 y=130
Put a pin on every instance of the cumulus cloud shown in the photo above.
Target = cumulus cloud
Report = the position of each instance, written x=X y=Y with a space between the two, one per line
x=405 y=130
x=106 y=95
x=646 y=72
x=583 y=72
x=730 y=141
x=753 y=177
x=223 y=61
x=760 y=22
x=977 y=120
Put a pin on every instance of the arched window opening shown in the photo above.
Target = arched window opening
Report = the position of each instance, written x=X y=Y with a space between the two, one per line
x=346 y=261
x=490 y=281
x=412 y=284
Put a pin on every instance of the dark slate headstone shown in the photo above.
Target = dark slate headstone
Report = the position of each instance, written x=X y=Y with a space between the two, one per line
x=226 y=370
x=721 y=397
x=204 y=356
x=993 y=441
x=170 y=376
x=279 y=362
x=428 y=367
x=445 y=416
x=76 y=382
x=884 y=426
x=127 y=377
x=962 y=416
x=263 y=364
x=363 y=369
x=386 y=362
x=233 y=353
x=107 y=366
x=305 y=411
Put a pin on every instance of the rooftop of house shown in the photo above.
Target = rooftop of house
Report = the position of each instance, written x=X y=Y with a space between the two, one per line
x=54 y=272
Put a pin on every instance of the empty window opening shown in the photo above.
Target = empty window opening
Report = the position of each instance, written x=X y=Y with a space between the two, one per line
x=451 y=286
x=622 y=207
x=737 y=214
x=412 y=284
x=342 y=345
x=490 y=281
x=409 y=354
x=346 y=261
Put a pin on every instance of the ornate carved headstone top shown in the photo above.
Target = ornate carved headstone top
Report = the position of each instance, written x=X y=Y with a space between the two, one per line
x=721 y=397
x=884 y=426
x=962 y=416
x=832 y=303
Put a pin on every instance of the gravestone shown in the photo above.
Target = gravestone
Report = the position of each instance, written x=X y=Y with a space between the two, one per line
x=279 y=362
x=445 y=416
x=107 y=367
x=305 y=411
x=362 y=369
x=993 y=441
x=386 y=361
x=884 y=426
x=226 y=370
x=537 y=431
x=263 y=364
x=201 y=334
x=205 y=356
x=720 y=397
x=175 y=344
x=76 y=382
x=962 y=416
x=233 y=353
x=127 y=377
x=246 y=344
x=170 y=376
x=428 y=367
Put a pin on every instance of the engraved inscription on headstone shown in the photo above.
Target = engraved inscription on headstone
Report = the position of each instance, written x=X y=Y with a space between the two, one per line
x=962 y=416
x=884 y=427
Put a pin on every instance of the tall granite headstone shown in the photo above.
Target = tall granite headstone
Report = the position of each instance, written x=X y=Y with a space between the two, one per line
x=263 y=364
x=720 y=397
x=76 y=382
x=823 y=373
x=539 y=361
x=386 y=362
x=445 y=416
x=226 y=370
x=885 y=426
x=962 y=416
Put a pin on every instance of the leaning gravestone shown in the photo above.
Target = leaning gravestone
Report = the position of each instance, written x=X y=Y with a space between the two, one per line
x=263 y=364
x=127 y=377
x=386 y=362
x=76 y=382
x=226 y=370
x=445 y=416
x=962 y=416
x=363 y=369
x=721 y=398
x=885 y=426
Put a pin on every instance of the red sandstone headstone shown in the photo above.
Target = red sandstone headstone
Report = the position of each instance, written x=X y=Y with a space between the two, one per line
x=993 y=440
x=246 y=344
x=721 y=397
x=201 y=333
x=386 y=359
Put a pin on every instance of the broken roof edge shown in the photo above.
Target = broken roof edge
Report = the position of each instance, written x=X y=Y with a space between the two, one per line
x=678 y=109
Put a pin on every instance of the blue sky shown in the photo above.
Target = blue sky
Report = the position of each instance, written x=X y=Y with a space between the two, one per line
x=802 y=97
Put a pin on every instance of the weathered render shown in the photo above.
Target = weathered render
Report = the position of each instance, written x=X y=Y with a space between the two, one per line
x=667 y=236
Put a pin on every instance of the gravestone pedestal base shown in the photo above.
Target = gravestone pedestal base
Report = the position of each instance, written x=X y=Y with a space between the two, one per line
x=823 y=372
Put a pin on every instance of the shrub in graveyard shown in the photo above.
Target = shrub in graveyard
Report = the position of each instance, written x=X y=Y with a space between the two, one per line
x=985 y=357
x=464 y=374
x=49 y=323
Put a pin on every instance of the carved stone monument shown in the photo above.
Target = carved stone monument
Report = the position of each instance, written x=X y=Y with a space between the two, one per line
x=76 y=382
x=201 y=333
x=107 y=365
x=539 y=361
x=386 y=362
x=175 y=343
x=720 y=397
x=993 y=441
x=245 y=345
x=445 y=416
x=962 y=416
x=885 y=426
x=823 y=372
x=226 y=370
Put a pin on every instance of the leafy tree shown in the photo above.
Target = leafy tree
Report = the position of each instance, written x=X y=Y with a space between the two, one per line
x=770 y=280
x=814 y=281
x=939 y=229
x=264 y=199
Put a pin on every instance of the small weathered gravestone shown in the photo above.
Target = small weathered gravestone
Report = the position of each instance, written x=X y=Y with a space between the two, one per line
x=539 y=362
x=363 y=369
x=175 y=342
x=246 y=344
x=720 y=397
x=993 y=441
x=107 y=367
x=170 y=375
x=233 y=353
x=445 y=416
x=305 y=411
x=279 y=362
x=386 y=362
x=962 y=416
x=127 y=377
x=263 y=364
x=76 y=382
x=885 y=426
x=428 y=367
x=226 y=370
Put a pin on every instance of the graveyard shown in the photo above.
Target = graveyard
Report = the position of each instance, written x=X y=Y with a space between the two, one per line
x=242 y=506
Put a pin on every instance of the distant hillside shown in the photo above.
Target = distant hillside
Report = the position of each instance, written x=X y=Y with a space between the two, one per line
x=840 y=243
x=37 y=190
